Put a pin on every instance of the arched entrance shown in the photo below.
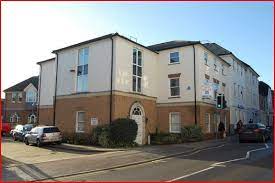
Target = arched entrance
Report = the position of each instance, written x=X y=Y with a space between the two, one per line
x=137 y=114
x=32 y=119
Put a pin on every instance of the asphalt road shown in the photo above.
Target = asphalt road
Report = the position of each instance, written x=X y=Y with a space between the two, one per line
x=197 y=166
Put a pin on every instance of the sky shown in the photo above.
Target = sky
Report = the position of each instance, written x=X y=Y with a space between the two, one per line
x=30 y=31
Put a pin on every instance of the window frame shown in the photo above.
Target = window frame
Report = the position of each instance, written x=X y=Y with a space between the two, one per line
x=19 y=95
x=82 y=76
x=33 y=97
x=170 y=88
x=13 y=97
x=174 y=57
x=170 y=122
x=136 y=66
x=76 y=125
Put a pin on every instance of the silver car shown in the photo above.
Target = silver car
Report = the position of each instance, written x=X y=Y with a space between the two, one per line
x=43 y=134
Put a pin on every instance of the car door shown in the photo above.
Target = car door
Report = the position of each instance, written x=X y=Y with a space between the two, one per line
x=33 y=135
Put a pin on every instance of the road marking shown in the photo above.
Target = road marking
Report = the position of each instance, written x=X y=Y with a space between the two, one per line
x=188 y=175
x=220 y=164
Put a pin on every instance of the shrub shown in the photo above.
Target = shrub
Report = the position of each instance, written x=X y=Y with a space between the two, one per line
x=191 y=133
x=76 y=138
x=165 y=138
x=104 y=137
x=96 y=133
x=123 y=132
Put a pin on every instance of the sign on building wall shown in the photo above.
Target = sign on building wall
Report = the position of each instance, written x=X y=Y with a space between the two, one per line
x=94 y=121
x=207 y=90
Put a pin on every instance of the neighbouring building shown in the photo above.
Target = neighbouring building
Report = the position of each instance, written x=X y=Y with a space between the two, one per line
x=243 y=83
x=163 y=87
x=266 y=104
x=21 y=102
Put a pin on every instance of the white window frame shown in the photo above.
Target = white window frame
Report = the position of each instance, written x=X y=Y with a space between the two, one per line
x=13 y=96
x=170 y=122
x=76 y=122
x=208 y=125
x=82 y=76
x=19 y=95
x=174 y=86
x=136 y=76
x=174 y=57
x=31 y=99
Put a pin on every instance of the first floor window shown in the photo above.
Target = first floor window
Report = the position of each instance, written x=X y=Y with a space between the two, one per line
x=20 y=97
x=174 y=57
x=80 y=121
x=31 y=96
x=175 y=124
x=207 y=122
x=82 y=70
x=13 y=97
x=175 y=87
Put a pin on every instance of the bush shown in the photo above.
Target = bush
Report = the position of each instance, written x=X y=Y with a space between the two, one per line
x=123 y=132
x=104 y=137
x=165 y=138
x=191 y=133
x=96 y=133
x=76 y=138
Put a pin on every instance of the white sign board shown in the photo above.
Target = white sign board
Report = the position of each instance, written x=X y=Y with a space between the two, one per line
x=94 y=121
x=207 y=90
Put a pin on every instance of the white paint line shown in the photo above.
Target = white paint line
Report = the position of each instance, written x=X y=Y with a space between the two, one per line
x=219 y=164
x=188 y=175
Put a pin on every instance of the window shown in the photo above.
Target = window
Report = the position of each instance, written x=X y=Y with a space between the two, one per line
x=223 y=72
x=242 y=93
x=174 y=87
x=80 y=121
x=31 y=96
x=137 y=70
x=13 y=97
x=216 y=84
x=234 y=89
x=206 y=58
x=215 y=65
x=234 y=65
x=207 y=122
x=207 y=78
x=14 y=118
x=82 y=70
x=238 y=90
x=174 y=57
x=175 y=124
x=20 y=98
x=241 y=71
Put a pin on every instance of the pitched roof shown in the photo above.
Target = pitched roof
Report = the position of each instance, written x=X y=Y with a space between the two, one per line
x=40 y=62
x=171 y=44
x=22 y=85
x=217 y=49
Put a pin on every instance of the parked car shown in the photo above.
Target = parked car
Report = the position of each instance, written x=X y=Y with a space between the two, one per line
x=6 y=128
x=43 y=135
x=19 y=132
x=254 y=132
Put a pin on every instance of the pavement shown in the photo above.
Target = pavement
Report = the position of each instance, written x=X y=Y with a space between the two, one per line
x=50 y=163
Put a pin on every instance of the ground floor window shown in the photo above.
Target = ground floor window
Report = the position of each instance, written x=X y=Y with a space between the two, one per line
x=32 y=118
x=14 y=118
x=207 y=122
x=175 y=124
x=80 y=121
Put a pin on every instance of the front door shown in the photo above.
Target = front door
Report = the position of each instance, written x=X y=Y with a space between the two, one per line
x=138 y=119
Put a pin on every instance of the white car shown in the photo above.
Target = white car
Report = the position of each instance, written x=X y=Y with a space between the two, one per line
x=43 y=134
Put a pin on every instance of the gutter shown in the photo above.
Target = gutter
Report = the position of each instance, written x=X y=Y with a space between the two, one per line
x=195 y=88
x=54 y=107
x=111 y=87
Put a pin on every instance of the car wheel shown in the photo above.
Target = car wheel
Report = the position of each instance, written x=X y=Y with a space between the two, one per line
x=38 y=143
x=26 y=141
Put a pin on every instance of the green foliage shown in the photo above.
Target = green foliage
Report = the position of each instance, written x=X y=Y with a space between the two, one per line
x=96 y=133
x=76 y=138
x=104 y=137
x=191 y=133
x=123 y=131
x=165 y=138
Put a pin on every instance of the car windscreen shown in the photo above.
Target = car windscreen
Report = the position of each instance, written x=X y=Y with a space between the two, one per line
x=28 y=127
x=51 y=130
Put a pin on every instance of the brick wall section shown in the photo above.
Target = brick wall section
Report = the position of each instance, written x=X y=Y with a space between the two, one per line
x=45 y=116
x=96 y=107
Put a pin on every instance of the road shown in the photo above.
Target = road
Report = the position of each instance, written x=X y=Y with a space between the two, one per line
x=259 y=166
x=226 y=162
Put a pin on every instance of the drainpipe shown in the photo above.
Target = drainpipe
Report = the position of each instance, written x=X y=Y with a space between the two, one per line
x=195 y=89
x=111 y=87
x=38 y=106
x=54 y=104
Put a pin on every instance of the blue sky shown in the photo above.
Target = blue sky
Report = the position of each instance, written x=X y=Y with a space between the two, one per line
x=33 y=30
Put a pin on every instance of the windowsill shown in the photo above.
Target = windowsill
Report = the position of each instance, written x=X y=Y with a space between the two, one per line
x=174 y=132
x=174 y=63
x=173 y=97
x=79 y=132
